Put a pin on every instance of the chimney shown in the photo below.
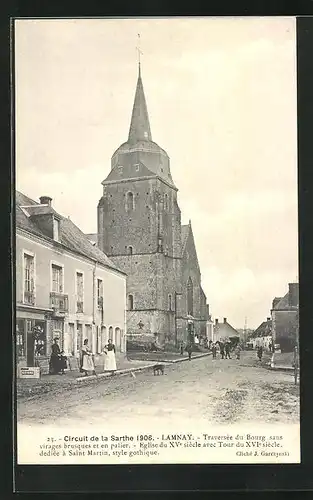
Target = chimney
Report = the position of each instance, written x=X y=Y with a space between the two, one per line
x=216 y=321
x=293 y=295
x=225 y=320
x=45 y=200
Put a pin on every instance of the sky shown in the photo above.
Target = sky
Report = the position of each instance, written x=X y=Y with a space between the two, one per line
x=221 y=97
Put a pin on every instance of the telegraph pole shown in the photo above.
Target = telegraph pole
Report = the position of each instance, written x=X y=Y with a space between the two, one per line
x=245 y=330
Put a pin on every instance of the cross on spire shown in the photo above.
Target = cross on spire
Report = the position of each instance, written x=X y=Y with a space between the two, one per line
x=139 y=126
x=139 y=51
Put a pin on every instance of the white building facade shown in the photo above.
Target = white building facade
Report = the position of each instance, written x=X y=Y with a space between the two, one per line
x=65 y=287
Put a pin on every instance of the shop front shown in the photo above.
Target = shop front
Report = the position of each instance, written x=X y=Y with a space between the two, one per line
x=31 y=338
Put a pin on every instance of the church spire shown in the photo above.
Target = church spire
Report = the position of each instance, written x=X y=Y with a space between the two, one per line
x=139 y=126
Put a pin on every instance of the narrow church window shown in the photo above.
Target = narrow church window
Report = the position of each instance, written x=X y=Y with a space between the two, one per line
x=130 y=250
x=120 y=169
x=189 y=296
x=129 y=201
x=130 y=302
x=165 y=202
x=170 y=302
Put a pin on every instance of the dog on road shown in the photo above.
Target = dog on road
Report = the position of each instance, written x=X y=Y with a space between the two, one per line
x=158 y=370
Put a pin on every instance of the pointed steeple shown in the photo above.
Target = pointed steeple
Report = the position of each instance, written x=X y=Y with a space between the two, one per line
x=139 y=126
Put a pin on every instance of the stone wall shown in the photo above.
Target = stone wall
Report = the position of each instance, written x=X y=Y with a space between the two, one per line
x=153 y=267
x=285 y=325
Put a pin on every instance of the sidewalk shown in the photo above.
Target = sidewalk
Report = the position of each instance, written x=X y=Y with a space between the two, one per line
x=26 y=388
x=73 y=378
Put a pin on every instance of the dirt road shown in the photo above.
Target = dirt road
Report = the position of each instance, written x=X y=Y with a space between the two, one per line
x=218 y=391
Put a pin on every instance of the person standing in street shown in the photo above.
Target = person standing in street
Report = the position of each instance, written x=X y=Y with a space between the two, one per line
x=86 y=360
x=214 y=350
x=55 y=364
x=189 y=350
x=110 y=359
x=260 y=352
x=227 y=350
x=222 y=350
x=182 y=347
x=237 y=351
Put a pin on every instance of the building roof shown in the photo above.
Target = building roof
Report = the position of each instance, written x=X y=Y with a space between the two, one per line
x=290 y=301
x=139 y=149
x=93 y=237
x=71 y=237
x=139 y=129
x=225 y=330
x=264 y=329
x=283 y=303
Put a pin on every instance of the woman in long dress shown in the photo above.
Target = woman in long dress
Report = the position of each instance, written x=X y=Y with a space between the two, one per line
x=55 y=365
x=109 y=359
x=86 y=362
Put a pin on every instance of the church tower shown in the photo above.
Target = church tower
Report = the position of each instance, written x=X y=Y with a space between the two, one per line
x=139 y=227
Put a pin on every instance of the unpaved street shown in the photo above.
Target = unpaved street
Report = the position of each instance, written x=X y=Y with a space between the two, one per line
x=218 y=391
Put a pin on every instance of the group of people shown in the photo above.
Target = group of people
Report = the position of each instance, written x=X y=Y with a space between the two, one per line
x=225 y=350
x=58 y=360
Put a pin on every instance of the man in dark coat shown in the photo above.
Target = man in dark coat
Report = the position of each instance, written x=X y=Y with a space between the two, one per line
x=222 y=349
x=214 y=349
x=227 y=350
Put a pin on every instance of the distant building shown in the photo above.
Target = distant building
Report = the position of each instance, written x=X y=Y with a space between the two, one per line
x=262 y=336
x=223 y=331
x=65 y=286
x=285 y=318
x=245 y=334
x=209 y=328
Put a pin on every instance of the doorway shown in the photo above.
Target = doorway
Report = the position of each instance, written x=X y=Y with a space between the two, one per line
x=118 y=339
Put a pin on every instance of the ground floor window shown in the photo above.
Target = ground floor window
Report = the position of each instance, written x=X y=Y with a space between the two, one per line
x=31 y=339
x=57 y=332
x=111 y=333
x=79 y=338
x=103 y=337
x=88 y=331
x=118 y=339
x=20 y=338
x=70 y=347
x=98 y=340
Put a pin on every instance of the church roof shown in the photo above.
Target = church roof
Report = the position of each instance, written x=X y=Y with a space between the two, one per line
x=139 y=126
x=71 y=237
x=140 y=149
